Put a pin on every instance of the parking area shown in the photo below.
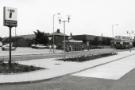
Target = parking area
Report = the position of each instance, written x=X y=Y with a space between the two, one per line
x=33 y=54
x=28 y=51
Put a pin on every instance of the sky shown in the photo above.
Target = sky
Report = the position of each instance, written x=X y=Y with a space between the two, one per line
x=93 y=17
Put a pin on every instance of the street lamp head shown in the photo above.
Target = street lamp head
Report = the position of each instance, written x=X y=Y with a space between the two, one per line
x=132 y=31
x=127 y=32
x=58 y=13
x=68 y=18
x=59 y=21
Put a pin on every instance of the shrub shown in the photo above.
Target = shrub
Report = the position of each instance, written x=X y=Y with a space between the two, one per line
x=87 y=58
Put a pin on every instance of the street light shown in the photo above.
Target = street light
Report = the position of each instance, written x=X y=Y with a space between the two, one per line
x=64 y=21
x=54 y=28
x=130 y=33
x=113 y=25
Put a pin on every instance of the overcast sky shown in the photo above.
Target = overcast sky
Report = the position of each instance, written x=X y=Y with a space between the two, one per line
x=94 y=17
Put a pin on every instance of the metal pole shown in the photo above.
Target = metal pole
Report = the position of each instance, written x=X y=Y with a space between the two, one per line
x=113 y=28
x=9 y=62
x=64 y=40
x=53 y=32
x=112 y=32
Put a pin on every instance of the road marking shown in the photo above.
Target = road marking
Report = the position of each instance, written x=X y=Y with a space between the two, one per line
x=114 y=70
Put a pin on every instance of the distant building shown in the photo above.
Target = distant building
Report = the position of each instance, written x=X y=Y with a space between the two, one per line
x=29 y=36
x=58 y=38
x=74 y=45
x=20 y=41
x=122 y=42
x=93 y=40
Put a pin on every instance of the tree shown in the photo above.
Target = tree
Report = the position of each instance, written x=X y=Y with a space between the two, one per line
x=41 y=37
x=96 y=41
x=106 y=41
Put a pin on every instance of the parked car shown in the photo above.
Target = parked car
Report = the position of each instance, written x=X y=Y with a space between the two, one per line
x=39 y=46
x=6 y=47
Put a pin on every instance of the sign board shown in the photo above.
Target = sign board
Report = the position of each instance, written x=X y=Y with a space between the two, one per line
x=10 y=16
x=123 y=38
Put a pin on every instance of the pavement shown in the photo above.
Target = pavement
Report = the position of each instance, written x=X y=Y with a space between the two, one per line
x=55 y=68
x=111 y=71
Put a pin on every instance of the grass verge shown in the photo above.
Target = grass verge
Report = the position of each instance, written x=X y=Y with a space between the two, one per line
x=16 y=68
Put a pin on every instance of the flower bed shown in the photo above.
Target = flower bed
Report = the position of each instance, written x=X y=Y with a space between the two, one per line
x=87 y=58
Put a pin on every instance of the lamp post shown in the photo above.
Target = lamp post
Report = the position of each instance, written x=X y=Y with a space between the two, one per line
x=113 y=25
x=54 y=28
x=64 y=21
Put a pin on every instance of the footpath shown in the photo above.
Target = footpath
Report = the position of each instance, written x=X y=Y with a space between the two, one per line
x=55 y=68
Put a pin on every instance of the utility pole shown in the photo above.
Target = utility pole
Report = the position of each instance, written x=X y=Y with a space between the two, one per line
x=64 y=43
x=53 y=32
x=113 y=25
x=54 y=28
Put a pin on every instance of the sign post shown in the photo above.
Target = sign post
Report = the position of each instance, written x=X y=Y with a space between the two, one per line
x=10 y=46
x=10 y=20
